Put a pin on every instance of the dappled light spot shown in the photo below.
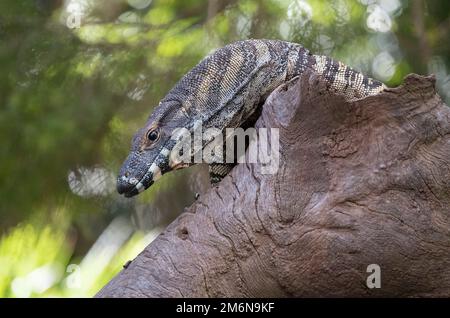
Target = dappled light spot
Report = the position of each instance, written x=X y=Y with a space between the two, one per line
x=88 y=182
x=342 y=12
x=284 y=29
x=129 y=17
x=139 y=4
x=383 y=66
x=392 y=7
x=243 y=26
x=300 y=11
x=78 y=7
x=378 y=20
x=387 y=42
x=141 y=87
x=323 y=44
x=367 y=2
x=38 y=281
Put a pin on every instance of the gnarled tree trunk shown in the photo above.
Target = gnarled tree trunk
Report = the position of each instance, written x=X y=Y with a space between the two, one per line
x=359 y=183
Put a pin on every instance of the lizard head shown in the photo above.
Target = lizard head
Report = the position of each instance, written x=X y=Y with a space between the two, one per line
x=150 y=156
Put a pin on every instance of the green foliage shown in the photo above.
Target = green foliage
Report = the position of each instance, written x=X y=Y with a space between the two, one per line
x=72 y=98
x=38 y=261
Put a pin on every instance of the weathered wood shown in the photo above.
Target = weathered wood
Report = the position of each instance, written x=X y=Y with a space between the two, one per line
x=359 y=183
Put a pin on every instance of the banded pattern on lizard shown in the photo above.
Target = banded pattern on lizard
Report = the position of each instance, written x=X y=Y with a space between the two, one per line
x=223 y=91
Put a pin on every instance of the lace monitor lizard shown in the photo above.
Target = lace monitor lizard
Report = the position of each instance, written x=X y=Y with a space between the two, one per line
x=222 y=91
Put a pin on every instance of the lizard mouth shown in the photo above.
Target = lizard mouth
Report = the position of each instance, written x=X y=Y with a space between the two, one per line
x=135 y=190
x=145 y=182
x=128 y=189
x=131 y=187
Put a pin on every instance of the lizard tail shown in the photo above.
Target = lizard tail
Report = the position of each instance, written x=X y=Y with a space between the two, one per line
x=345 y=80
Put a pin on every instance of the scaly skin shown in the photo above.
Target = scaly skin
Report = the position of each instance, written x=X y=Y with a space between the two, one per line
x=223 y=91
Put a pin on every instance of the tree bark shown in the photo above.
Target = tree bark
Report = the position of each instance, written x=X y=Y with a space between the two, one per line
x=359 y=183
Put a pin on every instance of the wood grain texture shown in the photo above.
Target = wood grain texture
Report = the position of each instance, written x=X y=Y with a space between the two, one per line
x=359 y=183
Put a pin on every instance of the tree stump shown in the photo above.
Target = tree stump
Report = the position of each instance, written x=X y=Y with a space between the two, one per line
x=359 y=183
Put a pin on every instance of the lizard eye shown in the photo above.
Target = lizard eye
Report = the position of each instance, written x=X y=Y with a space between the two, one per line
x=153 y=135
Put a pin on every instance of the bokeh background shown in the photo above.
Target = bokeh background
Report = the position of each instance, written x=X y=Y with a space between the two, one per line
x=78 y=77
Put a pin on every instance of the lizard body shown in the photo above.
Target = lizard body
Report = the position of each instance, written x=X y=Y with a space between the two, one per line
x=223 y=91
